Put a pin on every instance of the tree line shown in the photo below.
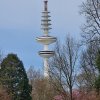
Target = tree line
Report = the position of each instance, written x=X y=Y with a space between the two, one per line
x=74 y=73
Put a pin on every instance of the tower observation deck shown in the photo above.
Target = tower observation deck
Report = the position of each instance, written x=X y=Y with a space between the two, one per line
x=46 y=39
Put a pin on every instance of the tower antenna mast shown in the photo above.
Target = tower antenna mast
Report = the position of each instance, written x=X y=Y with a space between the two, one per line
x=46 y=39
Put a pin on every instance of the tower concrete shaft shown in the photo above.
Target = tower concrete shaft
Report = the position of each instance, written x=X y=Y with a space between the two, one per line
x=46 y=39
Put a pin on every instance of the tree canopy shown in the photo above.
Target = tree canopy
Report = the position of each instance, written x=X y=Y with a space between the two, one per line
x=13 y=77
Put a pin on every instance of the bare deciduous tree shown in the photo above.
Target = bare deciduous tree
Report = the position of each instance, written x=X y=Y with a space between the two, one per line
x=91 y=10
x=63 y=65
x=89 y=72
x=41 y=89
x=33 y=75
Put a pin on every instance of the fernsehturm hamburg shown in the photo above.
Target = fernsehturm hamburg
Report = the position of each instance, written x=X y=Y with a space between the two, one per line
x=46 y=39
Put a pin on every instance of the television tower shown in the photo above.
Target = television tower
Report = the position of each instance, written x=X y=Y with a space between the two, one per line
x=46 y=39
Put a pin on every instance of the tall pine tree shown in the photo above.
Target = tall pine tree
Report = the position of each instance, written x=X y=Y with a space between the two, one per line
x=13 y=76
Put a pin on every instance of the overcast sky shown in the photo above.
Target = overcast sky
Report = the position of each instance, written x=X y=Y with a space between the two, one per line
x=20 y=24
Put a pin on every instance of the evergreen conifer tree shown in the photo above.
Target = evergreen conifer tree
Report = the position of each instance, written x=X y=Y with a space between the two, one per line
x=13 y=76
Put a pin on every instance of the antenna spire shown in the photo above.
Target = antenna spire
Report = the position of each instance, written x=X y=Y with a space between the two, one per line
x=45 y=5
x=46 y=39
